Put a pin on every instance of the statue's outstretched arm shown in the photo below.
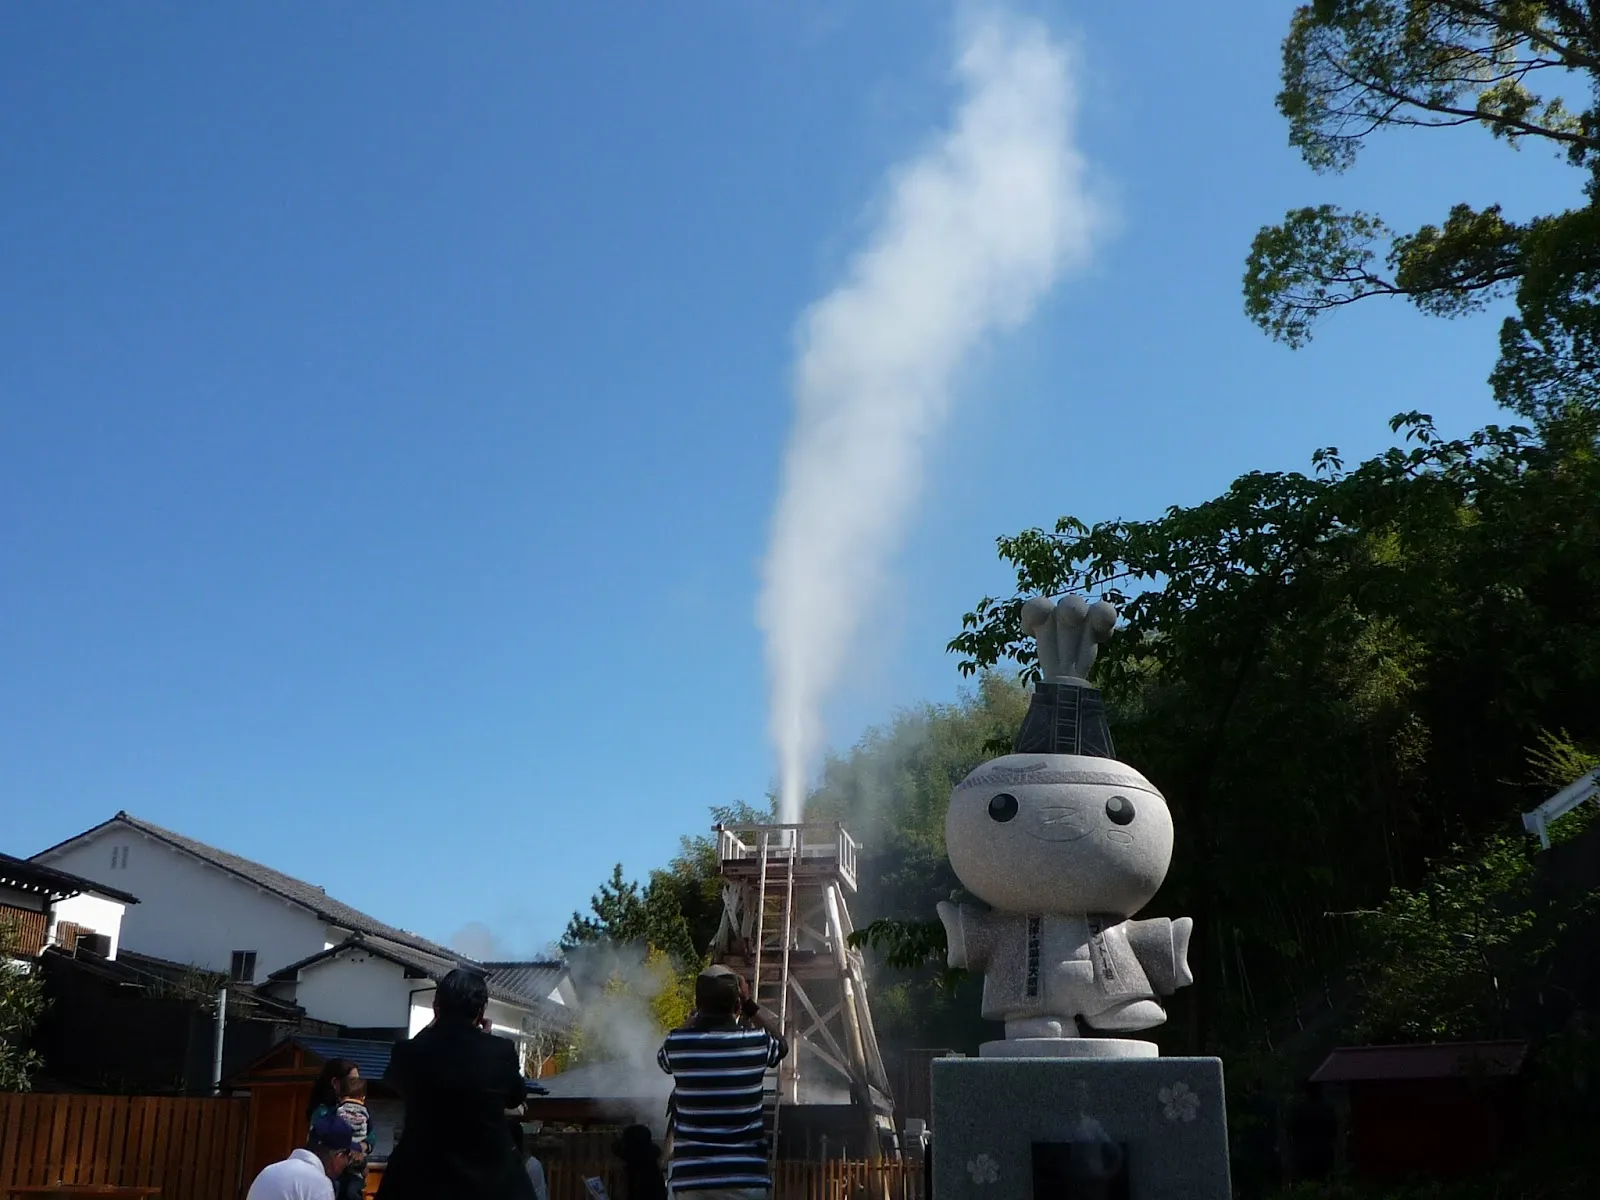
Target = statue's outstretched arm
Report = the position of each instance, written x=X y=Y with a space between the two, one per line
x=1162 y=948
x=966 y=934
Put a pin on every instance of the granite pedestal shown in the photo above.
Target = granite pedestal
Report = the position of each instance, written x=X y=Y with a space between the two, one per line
x=1079 y=1129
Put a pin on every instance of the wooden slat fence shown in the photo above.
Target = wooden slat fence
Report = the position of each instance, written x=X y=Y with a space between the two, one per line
x=792 y=1179
x=190 y=1149
x=28 y=927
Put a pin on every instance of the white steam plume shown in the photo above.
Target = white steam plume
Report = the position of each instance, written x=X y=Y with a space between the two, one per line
x=975 y=231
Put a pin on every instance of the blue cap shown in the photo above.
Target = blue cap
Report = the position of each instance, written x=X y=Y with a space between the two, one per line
x=330 y=1131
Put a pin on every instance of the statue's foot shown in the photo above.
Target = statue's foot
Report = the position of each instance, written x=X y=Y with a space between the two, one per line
x=1041 y=1027
x=1134 y=1014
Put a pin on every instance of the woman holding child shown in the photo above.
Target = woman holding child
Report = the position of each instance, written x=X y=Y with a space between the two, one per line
x=341 y=1091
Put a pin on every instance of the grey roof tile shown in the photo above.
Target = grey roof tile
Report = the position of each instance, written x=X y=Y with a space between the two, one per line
x=292 y=889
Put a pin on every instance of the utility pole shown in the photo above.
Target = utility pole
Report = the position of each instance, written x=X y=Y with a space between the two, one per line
x=222 y=1028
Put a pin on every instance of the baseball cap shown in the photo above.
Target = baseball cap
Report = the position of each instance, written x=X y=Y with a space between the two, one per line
x=330 y=1131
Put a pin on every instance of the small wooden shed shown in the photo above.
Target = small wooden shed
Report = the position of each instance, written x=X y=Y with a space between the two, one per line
x=1447 y=1110
x=280 y=1082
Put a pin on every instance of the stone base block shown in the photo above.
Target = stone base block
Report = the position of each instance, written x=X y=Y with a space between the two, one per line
x=1073 y=1047
x=1079 y=1129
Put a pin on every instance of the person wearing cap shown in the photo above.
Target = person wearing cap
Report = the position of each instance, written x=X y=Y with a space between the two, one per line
x=308 y=1173
x=719 y=1062
x=458 y=1082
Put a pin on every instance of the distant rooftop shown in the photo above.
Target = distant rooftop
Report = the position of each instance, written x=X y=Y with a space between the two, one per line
x=1434 y=1060
x=297 y=891
x=511 y=983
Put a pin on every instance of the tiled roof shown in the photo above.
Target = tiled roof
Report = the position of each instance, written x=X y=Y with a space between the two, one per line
x=512 y=983
x=1447 y=1060
x=537 y=978
x=295 y=890
x=436 y=967
x=33 y=876
x=371 y=1057
x=433 y=966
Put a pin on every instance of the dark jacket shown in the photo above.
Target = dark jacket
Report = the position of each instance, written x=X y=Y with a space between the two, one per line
x=457 y=1083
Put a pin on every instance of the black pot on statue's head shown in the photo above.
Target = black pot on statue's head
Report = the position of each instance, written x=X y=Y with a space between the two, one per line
x=1065 y=716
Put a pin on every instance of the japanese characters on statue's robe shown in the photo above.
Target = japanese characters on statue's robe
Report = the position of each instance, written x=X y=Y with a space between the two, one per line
x=1064 y=849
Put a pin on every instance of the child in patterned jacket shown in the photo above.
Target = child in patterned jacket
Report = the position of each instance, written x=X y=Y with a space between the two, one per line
x=353 y=1183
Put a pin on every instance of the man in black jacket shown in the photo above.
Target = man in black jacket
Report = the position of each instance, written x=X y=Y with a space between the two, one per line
x=457 y=1080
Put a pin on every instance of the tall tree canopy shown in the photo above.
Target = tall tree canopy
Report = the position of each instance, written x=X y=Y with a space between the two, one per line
x=1354 y=67
x=1333 y=676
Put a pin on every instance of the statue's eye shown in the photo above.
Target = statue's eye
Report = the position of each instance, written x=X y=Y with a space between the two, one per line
x=1003 y=807
x=1120 y=810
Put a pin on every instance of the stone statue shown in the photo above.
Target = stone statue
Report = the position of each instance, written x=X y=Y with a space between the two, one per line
x=1065 y=844
x=1067 y=635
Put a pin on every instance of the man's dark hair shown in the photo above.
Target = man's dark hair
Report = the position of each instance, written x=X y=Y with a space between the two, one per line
x=462 y=996
x=716 y=996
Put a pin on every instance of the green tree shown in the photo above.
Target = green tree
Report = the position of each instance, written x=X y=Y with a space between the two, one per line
x=22 y=1003
x=617 y=915
x=1337 y=668
x=1353 y=67
x=1471 y=951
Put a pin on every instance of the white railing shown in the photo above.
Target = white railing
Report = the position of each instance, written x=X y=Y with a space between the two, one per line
x=810 y=843
x=1585 y=787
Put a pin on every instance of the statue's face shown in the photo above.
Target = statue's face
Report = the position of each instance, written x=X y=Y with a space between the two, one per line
x=1059 y=833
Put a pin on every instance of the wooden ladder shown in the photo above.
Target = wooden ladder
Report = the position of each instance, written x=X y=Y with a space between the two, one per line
x=774 y=939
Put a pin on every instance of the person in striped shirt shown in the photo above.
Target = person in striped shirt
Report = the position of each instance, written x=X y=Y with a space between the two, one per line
x=718 y=1062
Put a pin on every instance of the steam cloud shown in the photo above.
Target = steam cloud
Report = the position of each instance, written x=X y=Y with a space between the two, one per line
x=620 y=1038
x=974 y=232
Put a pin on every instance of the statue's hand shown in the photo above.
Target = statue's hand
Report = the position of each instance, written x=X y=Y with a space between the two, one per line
x=1038 y=622
x=1067 y=634
x=1182 y=931
x=1083 y=629
x=954 y=934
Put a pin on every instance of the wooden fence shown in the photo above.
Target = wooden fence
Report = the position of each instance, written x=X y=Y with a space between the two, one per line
x=792 y=1179
x=190 y=1149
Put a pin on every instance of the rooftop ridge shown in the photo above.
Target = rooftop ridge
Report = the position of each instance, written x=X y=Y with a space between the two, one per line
x=294 y=890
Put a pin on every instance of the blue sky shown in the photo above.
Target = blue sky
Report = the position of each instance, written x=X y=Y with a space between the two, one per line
x=392 y=399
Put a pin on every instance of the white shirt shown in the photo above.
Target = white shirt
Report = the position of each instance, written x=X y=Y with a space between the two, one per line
x=299 y=1177
x=536 y=1173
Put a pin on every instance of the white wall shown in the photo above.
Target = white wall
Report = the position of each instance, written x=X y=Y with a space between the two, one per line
x=421 y=1010
x=505 y=1019
x=188 y=911
x=357 y=988
x=98 y=913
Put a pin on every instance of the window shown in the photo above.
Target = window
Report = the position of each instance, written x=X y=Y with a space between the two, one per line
x=243 y=968
x=119 y=858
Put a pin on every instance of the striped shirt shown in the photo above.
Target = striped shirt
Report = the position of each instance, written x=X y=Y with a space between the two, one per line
x=718 y=1140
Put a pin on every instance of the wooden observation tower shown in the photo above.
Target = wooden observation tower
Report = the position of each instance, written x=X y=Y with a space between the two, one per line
x=786 y=928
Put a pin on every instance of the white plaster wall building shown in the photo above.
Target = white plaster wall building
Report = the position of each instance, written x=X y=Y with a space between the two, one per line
x=208 y=908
